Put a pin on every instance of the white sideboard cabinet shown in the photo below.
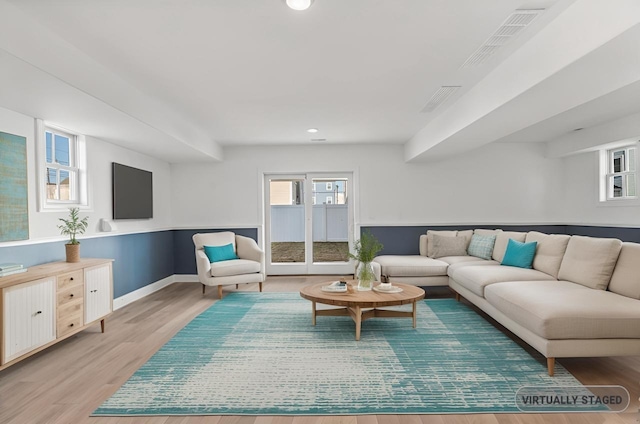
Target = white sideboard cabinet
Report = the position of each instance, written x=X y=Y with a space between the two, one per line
x=51 y=302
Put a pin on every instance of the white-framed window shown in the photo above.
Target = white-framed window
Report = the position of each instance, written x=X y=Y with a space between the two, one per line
x=329 y=200
x=329 y=186
x=62 y=168
x=619 y=173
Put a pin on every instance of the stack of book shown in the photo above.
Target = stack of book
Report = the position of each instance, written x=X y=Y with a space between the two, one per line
x=9 y=269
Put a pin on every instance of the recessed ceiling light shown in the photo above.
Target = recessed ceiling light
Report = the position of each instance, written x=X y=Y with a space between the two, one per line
x=299 y=4
x=312 y=130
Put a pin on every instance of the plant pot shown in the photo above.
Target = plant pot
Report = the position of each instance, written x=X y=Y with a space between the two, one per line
x=73 y=252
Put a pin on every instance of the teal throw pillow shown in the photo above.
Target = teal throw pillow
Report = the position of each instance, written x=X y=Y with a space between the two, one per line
x=481 y=246
x=220 y=253
x=519 y=254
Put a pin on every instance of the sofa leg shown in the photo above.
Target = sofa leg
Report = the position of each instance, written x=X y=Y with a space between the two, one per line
x=551 y=363
x=203 y=287
x=219 y=292
x=457 y=297
x=237 y=286
x=260 y=285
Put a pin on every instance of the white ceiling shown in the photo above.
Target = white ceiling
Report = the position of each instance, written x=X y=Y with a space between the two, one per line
x=182 y=79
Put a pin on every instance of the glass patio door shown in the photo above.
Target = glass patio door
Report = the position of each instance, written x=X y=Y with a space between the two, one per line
x=309 y=224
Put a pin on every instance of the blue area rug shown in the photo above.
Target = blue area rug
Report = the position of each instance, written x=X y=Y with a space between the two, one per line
x=258 y=354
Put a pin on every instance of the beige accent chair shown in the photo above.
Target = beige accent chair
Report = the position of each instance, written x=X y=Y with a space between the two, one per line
x=249 y=268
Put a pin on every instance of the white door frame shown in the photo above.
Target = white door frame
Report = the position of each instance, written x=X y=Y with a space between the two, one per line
x=308 y=267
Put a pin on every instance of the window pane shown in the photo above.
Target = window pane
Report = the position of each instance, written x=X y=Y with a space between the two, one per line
x=63 y=191
x=617 y=186
x=632 y=159
x=287 y=221
x=49 y=147
x=618 y=161
x=62 y=150
x=330 y=221
x=52 y=184
x=631 y=185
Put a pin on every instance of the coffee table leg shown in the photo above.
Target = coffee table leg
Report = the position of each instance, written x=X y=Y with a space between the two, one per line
x=415 y=316
x=358 y=313
x=313 y=313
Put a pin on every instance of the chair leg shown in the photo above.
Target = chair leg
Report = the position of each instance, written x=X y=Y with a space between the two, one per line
x=260 y=285
x=203 y=287
x=219 y=292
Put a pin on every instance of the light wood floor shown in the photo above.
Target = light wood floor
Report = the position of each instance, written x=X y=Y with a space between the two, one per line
x=66 y=382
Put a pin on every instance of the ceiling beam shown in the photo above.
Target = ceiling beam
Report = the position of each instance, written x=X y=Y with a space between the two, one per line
x=31 y=54
x=523 y=89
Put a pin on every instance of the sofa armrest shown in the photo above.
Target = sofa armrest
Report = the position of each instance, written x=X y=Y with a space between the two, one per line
x=247 y=248
x=423 y=245
x=203 y=266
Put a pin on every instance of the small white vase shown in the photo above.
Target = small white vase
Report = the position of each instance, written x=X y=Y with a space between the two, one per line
x=365 y=275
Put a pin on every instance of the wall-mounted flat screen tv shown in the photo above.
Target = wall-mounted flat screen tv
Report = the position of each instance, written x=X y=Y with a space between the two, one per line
x=132 y=192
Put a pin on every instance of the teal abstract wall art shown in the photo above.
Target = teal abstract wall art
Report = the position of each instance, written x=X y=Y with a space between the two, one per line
x=14 y=212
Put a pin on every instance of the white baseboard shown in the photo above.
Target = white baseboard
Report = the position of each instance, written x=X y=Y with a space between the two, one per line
x=152 y=288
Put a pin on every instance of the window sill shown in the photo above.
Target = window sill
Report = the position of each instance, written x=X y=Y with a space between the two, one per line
x=619 y=203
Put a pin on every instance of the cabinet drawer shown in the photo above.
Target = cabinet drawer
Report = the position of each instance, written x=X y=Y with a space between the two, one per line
x=70 y=279
x=70 y=294
x=70 y=308
x=68 y=324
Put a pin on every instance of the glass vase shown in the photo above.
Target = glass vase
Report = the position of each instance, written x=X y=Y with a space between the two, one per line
x=365 y=276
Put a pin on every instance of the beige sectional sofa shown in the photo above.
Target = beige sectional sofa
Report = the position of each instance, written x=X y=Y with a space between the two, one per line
x=580 y=298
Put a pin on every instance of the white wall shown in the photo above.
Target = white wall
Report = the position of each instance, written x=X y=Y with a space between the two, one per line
x=43 y=225
x=499 y=183
x=581 y=204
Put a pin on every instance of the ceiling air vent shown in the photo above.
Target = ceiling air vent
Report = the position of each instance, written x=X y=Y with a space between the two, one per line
x=439 y=97
x=511 y=27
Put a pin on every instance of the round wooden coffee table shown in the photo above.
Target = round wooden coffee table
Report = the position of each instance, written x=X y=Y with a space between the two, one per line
x=355 y=301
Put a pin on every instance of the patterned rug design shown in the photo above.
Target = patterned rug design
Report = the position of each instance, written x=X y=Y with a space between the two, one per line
x=258 y=354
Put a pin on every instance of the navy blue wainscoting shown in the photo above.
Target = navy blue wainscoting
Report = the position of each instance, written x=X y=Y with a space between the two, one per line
x=622 y=233
x=139 y=259
x=185 y=258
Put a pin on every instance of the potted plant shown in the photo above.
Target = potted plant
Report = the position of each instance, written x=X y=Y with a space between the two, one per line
x=365 y=249
x=71 y=227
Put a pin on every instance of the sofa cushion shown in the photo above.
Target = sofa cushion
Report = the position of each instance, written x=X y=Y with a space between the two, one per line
x=519 y=254
x=550 y=250
x=443 y=233
x=476 y=278
x=455 y=264
x=502 y=239
x=234 y=267
x=453 y=260
x=467 y=234
x=626 y=275
x=590 y=261
x=448 y=246
x=481 y=246
x=485 y=232
x=410 y=266
x=559 y=310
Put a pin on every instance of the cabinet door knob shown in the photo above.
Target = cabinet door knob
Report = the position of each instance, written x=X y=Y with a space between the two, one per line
x=71 y=325
x=39 y=312
x=71 y=279
x=71 y=295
